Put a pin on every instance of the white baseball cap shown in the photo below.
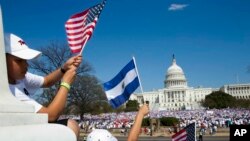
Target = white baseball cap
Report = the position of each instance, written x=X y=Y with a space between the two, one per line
x=16 y=46
x=101 y=135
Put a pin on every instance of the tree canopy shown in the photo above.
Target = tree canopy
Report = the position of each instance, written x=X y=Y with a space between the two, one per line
x=219 y=100
x=131 y=105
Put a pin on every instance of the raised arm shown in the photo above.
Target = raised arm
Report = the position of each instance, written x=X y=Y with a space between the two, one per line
x=135 y=130
x=56 y=107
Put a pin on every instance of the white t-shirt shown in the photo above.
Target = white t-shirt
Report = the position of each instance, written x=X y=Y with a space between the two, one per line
x=26 y=88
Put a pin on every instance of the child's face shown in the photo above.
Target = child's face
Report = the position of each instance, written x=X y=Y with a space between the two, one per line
x=16 y=67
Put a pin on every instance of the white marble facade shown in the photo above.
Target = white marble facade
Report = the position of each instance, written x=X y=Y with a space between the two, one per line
x=239 y=91
x=176 y=95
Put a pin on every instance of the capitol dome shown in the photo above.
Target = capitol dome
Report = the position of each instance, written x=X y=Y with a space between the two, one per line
x=175 y=76
x=174 y=68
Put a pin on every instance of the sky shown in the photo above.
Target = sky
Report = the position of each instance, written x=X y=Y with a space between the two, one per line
x=209 y=38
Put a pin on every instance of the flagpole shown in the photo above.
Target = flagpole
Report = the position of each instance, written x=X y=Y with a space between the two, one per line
x=137 y=74
x=140 y=82
x=87 y=38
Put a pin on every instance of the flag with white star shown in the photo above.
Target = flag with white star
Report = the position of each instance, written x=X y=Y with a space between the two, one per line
x=186 y=134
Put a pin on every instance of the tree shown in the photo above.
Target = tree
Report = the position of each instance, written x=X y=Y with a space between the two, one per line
x=131 y=105
x=53 y=57
x=219 y=100
x=146 y=121
x=243 y=103
x=86 y=95
x=169 y=121
x=84 y=90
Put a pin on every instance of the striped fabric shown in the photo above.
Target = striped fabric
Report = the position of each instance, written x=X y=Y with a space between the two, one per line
x=119 y=89
x=80 y=27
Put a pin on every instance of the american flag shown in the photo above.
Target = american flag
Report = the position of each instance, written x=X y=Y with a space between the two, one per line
x=186 y=134
x=80 y=26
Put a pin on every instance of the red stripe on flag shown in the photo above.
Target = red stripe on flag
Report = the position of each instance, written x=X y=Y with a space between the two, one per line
x=76 y=33
x=186 y=134
x=75 y=39
x=76 y=50
x=78 y=15
x=75 y=28
x=80 y=27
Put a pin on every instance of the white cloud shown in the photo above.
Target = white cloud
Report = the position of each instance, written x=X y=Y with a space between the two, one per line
x=174 y=7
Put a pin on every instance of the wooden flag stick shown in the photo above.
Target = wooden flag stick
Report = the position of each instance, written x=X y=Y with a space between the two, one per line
x=138 y=74
x=87 y=38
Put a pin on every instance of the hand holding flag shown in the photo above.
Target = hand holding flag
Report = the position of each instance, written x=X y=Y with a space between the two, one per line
x=80 y=27
x=74 y=61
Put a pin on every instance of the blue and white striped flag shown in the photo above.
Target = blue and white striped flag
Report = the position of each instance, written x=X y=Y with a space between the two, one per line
x=119 y=89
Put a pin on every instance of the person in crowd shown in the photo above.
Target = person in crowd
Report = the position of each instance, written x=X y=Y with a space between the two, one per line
x=201 y=133
x=24 y=84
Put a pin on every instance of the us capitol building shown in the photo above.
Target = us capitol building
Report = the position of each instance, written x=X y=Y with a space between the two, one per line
x=176 y=95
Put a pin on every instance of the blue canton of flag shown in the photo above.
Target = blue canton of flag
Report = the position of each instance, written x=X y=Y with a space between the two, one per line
x=186 y=134
x=119 y=89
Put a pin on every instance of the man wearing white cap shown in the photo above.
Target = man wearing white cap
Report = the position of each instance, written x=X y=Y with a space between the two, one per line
x=23 y=84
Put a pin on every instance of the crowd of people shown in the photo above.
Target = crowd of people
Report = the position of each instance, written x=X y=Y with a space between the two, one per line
x=208 y=119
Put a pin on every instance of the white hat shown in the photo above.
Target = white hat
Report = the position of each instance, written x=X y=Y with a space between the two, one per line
x=17 y=47
x=101 y=135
